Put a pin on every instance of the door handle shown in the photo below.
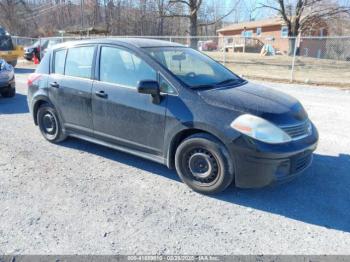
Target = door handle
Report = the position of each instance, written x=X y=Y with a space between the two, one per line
x=54 y=84
x=101 y=94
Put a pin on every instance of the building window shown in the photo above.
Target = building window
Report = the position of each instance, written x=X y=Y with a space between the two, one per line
x=258 y=31
x=247 y=33
x=321 y=32
x=284 y=31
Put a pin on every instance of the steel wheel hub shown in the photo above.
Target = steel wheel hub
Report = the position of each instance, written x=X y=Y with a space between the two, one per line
x=202 y=165
x=49 y=123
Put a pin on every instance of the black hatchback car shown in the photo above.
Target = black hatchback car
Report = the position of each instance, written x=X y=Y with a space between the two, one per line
x=173 y=105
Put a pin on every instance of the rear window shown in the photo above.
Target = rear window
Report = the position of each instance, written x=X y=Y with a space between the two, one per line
x=79 y=61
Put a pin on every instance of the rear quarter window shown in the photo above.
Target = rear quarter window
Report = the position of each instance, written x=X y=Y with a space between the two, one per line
x=44 y=66
x=59 y=61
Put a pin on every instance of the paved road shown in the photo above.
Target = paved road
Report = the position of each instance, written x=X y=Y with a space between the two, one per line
x=82 y=198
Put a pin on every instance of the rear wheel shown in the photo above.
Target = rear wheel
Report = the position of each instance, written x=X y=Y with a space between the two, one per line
x=49 y=124
x=10 y=92
x=202 y=163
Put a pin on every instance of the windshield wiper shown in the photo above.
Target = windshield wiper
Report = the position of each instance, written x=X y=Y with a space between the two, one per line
x=227 y=81
x=202 y=87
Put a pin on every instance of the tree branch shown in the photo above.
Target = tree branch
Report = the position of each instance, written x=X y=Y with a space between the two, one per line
x=222 y=17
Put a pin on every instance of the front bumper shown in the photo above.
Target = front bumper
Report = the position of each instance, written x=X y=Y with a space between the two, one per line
x=7 y=84
x=258 y=164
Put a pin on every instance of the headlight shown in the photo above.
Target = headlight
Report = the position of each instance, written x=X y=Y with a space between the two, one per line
x=260 y=129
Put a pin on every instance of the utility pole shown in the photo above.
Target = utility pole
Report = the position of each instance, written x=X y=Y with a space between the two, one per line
x=82 y=14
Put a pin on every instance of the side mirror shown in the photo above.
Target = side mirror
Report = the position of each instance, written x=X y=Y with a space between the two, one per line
x=151 y=88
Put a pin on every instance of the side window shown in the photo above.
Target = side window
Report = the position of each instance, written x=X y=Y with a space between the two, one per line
x=59 y=59
x=79 y=61
x=165 y=86
x=119 y=66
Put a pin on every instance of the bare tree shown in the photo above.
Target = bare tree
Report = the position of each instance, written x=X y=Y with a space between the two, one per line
x=303 y=14
x=118 y=17
x=192 y=8
x=9 y=11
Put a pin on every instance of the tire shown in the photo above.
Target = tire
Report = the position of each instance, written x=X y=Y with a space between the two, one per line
x=49 y=124
x=202 y=162
x=10 y=92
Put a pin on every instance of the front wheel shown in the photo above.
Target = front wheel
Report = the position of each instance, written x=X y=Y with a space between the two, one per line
x=202 y=162
x=49 y=124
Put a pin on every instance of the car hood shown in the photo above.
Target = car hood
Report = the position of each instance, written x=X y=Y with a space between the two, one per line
x=258 y=100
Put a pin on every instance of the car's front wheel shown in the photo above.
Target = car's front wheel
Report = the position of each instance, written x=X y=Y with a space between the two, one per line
x=202 y=162
x=49 y=124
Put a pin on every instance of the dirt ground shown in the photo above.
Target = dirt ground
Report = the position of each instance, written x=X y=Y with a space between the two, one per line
x=307 y=70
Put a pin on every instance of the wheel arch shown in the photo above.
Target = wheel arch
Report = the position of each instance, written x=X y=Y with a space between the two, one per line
x=36 y=105
x=180 y=136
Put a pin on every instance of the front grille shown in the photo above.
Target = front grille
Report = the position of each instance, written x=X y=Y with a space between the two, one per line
x=298 y=131
x=301 y=162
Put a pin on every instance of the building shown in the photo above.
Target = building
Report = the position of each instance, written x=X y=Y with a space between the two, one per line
x=253 y=35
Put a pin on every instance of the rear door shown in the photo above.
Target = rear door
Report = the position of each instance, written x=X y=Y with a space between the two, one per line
x=70 y=87
x=121 y=115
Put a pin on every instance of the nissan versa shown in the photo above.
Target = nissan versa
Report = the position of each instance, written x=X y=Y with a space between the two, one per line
x=173 y=105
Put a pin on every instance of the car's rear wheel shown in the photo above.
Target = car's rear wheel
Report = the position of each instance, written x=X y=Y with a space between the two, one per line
x=10 y=92
x=202 y=162
x=49 y=124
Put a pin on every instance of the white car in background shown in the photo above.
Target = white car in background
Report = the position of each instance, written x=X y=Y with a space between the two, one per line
x=7 y=79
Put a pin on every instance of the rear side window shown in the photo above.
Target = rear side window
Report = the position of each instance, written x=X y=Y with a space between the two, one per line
x=119 y=66
x=59 y=60
x=44 y=66
x=79 y=61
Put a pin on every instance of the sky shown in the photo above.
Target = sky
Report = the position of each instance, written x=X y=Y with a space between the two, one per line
x=244 y=11
x=245 y=7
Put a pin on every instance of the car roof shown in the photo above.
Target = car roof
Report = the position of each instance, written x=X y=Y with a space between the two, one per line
x=136 y=42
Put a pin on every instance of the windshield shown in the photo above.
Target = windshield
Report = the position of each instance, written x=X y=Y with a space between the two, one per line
x=2 y=31
x=5 y=43
x=193 y=68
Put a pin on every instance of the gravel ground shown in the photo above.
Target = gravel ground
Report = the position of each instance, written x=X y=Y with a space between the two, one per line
x=80 y=198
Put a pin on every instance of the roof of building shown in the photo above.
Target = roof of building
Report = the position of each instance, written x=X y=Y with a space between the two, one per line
x=253 y=24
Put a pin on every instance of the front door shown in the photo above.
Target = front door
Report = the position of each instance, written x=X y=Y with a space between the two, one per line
x=70 y=87
x=121 y=115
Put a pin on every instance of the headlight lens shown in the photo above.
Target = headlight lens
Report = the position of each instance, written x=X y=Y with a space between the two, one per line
x=260 y=129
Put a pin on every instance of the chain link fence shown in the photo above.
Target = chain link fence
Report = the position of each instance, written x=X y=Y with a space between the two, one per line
x=312 y=60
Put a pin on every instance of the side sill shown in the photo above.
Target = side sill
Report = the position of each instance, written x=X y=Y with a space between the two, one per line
x=147 y=156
